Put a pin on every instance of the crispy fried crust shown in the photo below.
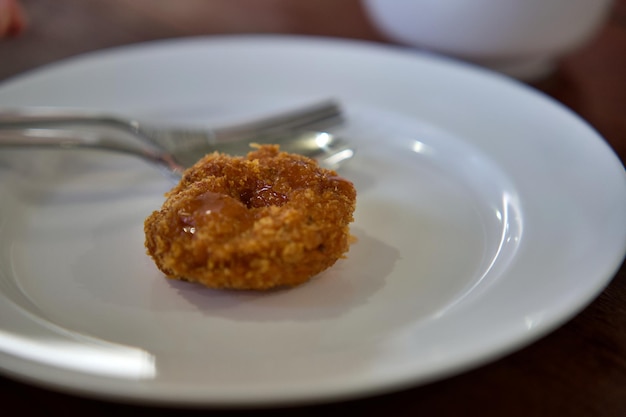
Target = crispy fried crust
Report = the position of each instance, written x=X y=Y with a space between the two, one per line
x=265 y=220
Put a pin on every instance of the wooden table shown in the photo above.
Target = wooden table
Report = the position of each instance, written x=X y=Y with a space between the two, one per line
x=578 y=370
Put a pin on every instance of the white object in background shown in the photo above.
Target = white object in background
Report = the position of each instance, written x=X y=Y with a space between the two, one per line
x=522 y=38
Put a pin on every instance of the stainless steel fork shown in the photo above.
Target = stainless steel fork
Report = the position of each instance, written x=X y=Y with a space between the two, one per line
x=176 y=149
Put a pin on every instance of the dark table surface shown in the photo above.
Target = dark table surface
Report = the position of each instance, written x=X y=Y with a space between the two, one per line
x=578 y=370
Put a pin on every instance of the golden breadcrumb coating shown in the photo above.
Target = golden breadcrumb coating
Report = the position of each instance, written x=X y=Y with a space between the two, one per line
x=265 y=220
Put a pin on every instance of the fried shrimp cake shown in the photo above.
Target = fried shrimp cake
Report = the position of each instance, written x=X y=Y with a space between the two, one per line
x=265 y=220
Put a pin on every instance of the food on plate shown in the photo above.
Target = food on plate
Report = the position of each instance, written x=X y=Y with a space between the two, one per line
x=268 y=219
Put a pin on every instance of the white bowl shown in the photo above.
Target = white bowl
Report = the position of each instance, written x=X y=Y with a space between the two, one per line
x=523 y=38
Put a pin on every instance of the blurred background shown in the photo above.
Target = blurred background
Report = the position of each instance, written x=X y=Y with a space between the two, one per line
x=69 y=27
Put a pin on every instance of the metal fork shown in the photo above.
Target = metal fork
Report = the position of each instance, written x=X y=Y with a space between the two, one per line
x=177 y=149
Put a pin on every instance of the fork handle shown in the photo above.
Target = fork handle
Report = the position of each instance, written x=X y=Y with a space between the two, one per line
x=60 y=139
x=35 y=116
x=304 y=117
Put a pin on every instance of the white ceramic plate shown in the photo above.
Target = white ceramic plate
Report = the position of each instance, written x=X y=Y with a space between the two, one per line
x=487 y=216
